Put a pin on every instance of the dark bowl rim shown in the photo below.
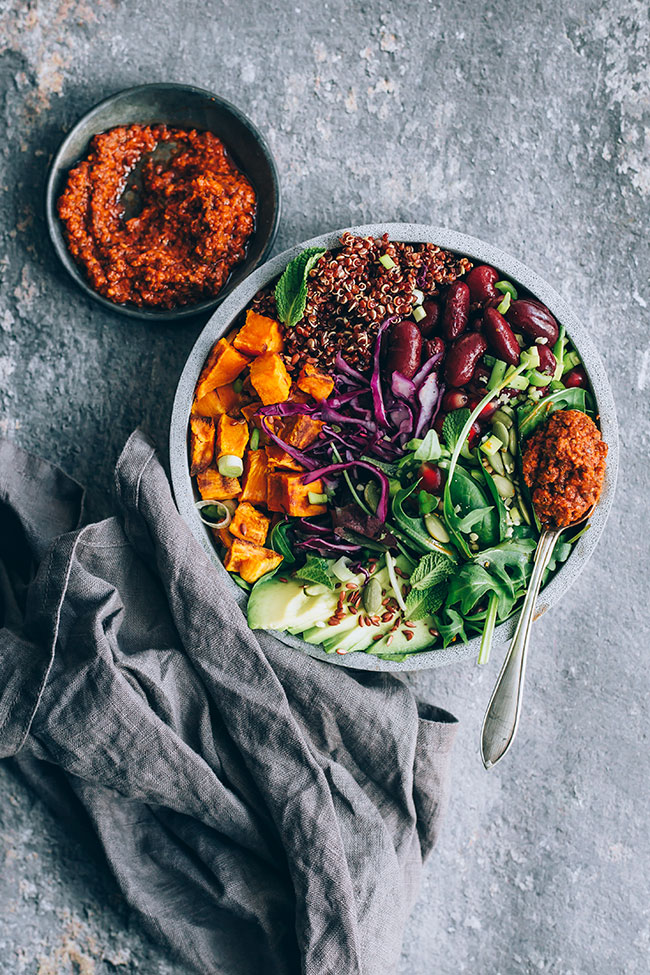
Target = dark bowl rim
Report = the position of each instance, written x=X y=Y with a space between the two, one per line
x=66 y=259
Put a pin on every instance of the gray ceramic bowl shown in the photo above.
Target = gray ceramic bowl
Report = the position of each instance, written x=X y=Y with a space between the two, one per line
x=185 y=107
x=481 y=253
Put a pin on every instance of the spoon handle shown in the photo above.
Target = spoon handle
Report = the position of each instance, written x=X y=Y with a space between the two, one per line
x=502 y=715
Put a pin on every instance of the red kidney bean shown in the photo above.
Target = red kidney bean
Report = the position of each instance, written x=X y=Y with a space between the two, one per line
x=481 y=372
x=533 y=319
x=576 y=377
x=433 y=347
x=500 y=336
x=438 y=422
x=547 y=361
x=474 y=434
x=454 y=399
x=480 y=282
x=463 y=357
x=432 y=478
x=404 y=349
x=454 y=317
x=428 y=324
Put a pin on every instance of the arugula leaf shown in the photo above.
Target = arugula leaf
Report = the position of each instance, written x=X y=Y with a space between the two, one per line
x=453 y=426
x=429 y=449
x=432 y=568
x=421 y=603
x=530 y=417
x=450 y=625
x=474 y=515
x=291 y=289
x=498 y=503
x=510 y=562
x=415 y=527
x=279 y=541
x=469 y=585
x=316 y=569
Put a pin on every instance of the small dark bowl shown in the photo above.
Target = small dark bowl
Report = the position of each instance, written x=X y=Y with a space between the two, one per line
x=185 y=107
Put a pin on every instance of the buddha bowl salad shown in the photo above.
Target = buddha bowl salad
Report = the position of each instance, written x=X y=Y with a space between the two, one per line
x=356 y=446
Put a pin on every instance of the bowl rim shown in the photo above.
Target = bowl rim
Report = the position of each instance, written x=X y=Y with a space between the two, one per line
x=54 y=224
x=480 y=252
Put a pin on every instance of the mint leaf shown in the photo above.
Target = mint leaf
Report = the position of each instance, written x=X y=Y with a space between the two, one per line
x=421 y=603
x=316 y=569
x=453 y=425
x=431 y=569
x=291 y=289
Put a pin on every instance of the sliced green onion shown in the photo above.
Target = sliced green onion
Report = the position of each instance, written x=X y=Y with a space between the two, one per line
x=215 y=514
x=571 y=360
x=488 y=629
x=419 y=313
x=491 y=446
x=255 y=439
x=418 y=297
x=507 y=288
x=530 y=357
x=489 y=360
x=558 y=352
x=238 y=385
x=229 y=465
x=537 y=378
x=387 y=261
x=341 y=571
x=316 y=498
x=504 y=304
x=497 y=374
x=392 y=575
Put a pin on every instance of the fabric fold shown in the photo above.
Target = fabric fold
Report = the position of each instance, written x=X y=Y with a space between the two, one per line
x=261 y=810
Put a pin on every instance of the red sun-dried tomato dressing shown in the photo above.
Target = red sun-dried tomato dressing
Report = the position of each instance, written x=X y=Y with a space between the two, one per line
x=197 y=215
x=564 y=467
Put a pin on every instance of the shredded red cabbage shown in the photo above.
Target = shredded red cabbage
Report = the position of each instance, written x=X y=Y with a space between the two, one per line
x=426 y=369
x=347 y=370
x=402 y=387
x=325 y=547
x=309 y=462
x=382 y=507
x=429 y=396
x=375 y=382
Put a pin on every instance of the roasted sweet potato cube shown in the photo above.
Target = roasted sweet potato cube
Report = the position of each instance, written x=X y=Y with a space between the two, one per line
x=274 y=495
x=214 y=487
x=259 y=334
x=270 y=378
x=249 y=524
x=222 y=536
x=249 y=412
x=277 y=457
x=254 y=481
x=250 y=561
x=294 y=496
x=314 y=382
x=232 y=436
x=209 y=405
x=223 y=365
x=301 y=431
x=230 y=399
x=201 y=443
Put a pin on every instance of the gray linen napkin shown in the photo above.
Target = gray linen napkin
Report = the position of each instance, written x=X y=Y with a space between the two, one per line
x=264 y=812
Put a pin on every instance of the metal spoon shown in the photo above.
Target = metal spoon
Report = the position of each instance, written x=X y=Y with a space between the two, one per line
x=502 y=715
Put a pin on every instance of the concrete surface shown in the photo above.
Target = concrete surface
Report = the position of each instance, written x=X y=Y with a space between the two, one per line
x=522 y=123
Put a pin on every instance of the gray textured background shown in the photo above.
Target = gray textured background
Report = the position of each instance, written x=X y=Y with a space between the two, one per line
x=523 y=123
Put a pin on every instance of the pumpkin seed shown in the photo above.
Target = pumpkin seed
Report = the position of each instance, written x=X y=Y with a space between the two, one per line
x=436 y=528
x=508 y=461
x=523 y=507
x=497 y=463
x=501 y=431
x=504 y=486
x=372 y=596
x=501 y=416
x=512 y=441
